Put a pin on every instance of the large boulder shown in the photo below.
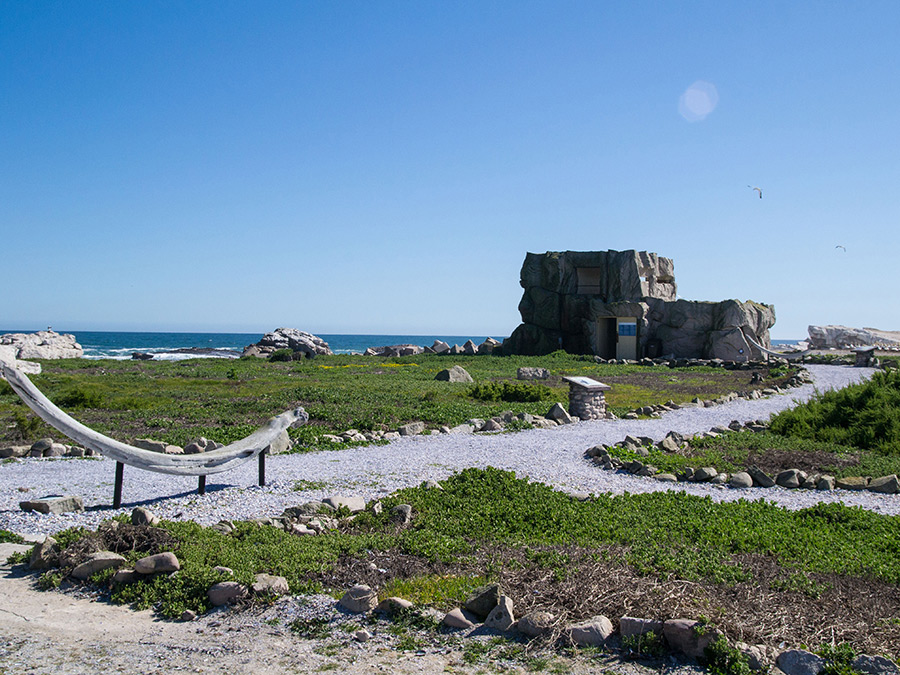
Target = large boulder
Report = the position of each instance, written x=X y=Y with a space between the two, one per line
x=288 y=338
x=44 y=344
x=844 y=337
x=454 y=374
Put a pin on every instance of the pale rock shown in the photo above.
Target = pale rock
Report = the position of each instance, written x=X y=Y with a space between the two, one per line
x=412 y=429
x=143 y=516
x=459 y=618
x=151 y=445
x=97 y=563
x=44 y=344
x=353 y=504
x=852 y=483
x=630 y=626
x=559 y=414
x=591 y=633
x=226 y=593
x=454 y=374
x=501 y=617
x=44 y=555
x=401 y=514
x=289 y=338
x=800 y=662
x=531 y=373
x=158 y=562
x=393 y=605
x=741 y=480
x=825 y=483
x=268 y=584
x=535 y=624
x=123 y=576
x=359 y=599
x=54 y=504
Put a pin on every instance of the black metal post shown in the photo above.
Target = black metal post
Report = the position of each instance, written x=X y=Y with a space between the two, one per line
x=201 y=485
x=262 y=468
x=117 y=493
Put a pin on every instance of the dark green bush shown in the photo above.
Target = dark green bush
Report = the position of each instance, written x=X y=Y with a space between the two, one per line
x=80 y=397
x=864 y=415
x=520 y=392
x=281 y=355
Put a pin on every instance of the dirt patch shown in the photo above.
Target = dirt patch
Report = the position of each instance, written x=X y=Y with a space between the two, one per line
x=775 y=604
x=814 y=461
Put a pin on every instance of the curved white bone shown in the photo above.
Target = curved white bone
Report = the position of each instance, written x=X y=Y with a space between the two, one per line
x=200 y=464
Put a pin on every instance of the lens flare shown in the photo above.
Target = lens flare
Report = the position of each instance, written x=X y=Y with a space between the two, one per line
x=698 y=101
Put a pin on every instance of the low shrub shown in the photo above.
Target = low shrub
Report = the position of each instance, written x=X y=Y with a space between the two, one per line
x=281 y=355
x=865 y=415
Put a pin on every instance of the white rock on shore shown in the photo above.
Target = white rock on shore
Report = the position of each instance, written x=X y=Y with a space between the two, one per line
x=45 y=344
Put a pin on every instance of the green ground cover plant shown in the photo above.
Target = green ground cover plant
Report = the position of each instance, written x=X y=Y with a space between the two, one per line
x=657 y=555
x=769 y=451
x=224 y=399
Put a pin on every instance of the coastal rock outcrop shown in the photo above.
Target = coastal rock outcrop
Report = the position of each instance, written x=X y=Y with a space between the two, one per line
x=843 y=337
x=44 y=344
x=288 y=338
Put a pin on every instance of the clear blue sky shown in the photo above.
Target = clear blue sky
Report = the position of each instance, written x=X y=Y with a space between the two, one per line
x=383 y=167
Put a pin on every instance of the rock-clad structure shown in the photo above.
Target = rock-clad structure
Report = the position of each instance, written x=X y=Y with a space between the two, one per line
x=44 y=344
x=623 y=305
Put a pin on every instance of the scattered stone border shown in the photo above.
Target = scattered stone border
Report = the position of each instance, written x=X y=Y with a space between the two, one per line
x=674 y=442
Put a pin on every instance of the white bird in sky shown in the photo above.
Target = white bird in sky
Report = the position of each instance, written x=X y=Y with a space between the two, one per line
x=759 y=190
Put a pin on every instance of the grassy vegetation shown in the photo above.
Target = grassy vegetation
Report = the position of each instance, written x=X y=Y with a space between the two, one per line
x=225 y=399
x=851 y=432
x=772 y=452
x=518 y=532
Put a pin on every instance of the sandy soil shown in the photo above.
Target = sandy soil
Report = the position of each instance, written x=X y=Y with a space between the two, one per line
x=43 y=632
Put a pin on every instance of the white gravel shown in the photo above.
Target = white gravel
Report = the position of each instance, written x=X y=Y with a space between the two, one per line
x=554 y=456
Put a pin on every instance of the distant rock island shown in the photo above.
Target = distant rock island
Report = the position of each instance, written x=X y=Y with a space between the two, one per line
x=623 y=305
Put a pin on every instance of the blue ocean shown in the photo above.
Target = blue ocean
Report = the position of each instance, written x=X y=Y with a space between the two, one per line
x=166 y=346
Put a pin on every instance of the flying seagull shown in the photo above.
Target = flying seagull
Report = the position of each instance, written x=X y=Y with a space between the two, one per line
x=843 y=247
x=759 y=190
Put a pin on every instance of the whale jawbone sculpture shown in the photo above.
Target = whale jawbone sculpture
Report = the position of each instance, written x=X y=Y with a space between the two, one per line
x=201 y=464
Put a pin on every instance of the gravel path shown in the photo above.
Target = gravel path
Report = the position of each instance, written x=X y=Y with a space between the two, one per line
x=554 y=456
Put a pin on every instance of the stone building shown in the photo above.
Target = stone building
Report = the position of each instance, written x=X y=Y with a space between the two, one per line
x=623 y=304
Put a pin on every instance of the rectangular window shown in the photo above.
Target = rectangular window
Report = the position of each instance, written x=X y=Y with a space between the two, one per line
x=589 y=279
x=628 y=328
